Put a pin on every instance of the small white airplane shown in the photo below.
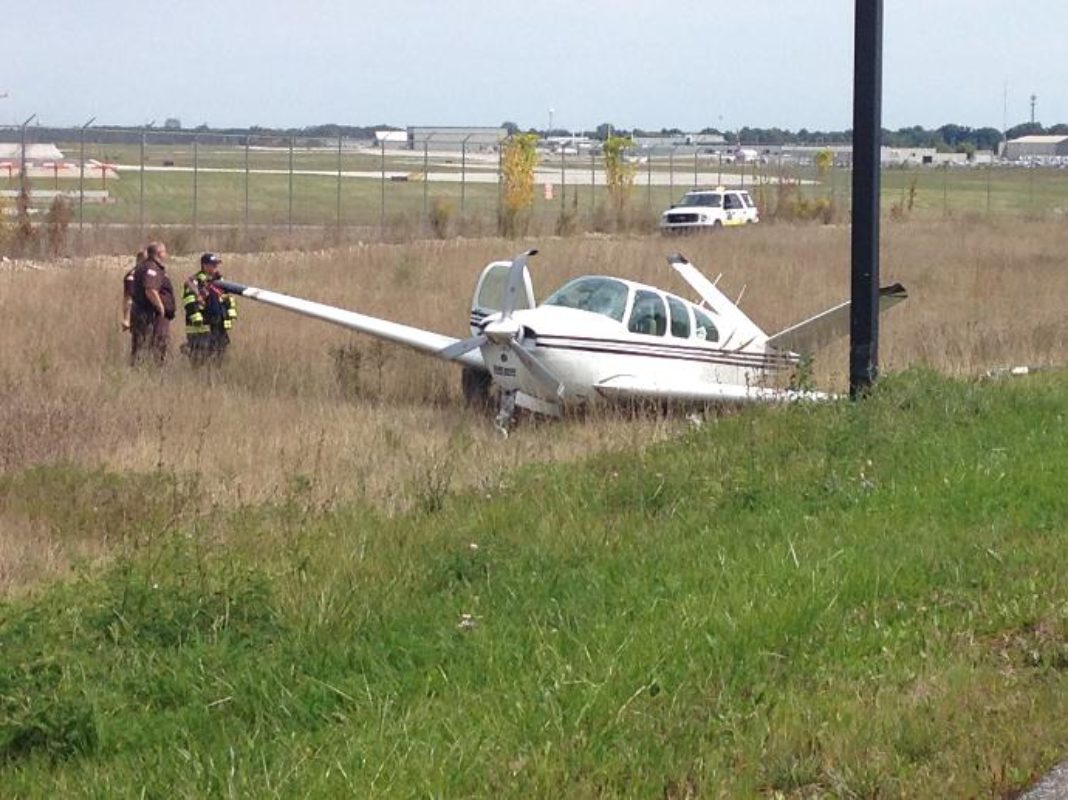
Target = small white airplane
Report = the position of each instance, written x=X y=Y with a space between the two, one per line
x=602 y=338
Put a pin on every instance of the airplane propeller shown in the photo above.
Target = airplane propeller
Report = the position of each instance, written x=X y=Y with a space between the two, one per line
x=505 y=332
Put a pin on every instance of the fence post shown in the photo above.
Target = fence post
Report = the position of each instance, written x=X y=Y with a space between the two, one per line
x=671 y=172
x=500 y=185
x=338 y=234
x=291 y=185
x=382 y=199
x=248 y=140
x=81 y=190
x=649 y=179
x=593 y=183
x=945 y=189
x=21 y=167
x=695 y=169
x=989 y=167
x=463 y=174
x=426 y=181
x=141 y=202
x=196 y=179
x=563 y=182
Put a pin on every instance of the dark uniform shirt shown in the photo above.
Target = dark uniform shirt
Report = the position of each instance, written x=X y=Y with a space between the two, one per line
x=128 y=283
x=150 y=274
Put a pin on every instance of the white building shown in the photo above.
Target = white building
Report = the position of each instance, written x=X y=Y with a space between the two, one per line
x=1031 y=147
x=455 y=139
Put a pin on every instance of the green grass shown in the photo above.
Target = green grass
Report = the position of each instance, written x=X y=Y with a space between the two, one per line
x=848 y=600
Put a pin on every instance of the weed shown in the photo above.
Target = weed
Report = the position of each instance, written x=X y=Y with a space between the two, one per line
x=441 y=214
x=348 y=363
x=57 y=221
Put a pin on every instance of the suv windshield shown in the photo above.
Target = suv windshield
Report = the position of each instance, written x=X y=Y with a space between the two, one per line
x=704 y=199
x=599 y=295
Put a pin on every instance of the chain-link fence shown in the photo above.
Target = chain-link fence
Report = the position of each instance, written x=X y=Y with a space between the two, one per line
x=233 y=191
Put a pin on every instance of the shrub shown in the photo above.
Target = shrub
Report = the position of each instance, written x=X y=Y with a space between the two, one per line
x=567 y=220
x=25 y=234
x=518 y=160
x=441 y=212
x=57 y=222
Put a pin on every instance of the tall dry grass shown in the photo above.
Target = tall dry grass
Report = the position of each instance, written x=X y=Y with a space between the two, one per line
x=393 y=430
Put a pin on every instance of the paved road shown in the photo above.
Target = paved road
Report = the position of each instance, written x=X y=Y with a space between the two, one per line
x=1054 y=786
x=574 y=176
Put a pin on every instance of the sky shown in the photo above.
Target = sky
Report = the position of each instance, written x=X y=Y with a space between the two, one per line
x=683 y=64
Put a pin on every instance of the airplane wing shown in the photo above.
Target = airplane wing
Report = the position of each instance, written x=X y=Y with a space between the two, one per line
x=818 y=331
x=634 y=386
x=416 y=338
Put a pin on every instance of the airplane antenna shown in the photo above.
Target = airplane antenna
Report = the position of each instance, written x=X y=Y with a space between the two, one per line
x=741 y=294
x=716 y=281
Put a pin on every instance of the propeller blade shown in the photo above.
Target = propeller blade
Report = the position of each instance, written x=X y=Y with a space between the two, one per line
x=537 y=369
x=514 y=283
x=457 y=349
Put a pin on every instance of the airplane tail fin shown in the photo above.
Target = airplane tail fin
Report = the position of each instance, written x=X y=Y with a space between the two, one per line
x=817 y=332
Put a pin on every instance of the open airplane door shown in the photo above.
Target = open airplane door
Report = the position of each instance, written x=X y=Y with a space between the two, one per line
x=490 y=289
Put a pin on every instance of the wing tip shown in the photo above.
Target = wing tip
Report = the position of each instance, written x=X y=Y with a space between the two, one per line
x=232 y=286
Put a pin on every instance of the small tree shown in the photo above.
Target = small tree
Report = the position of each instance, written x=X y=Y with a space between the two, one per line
x=25 y=235
x=824 y=161
x=619 y=174
x=57 y=221
x=518 y=160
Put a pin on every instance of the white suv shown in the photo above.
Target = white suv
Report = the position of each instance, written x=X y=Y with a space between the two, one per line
x=710 y=209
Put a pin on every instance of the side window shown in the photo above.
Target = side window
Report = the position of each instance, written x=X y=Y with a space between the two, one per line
x=732 y=202
x=680 y=318
x=648 y=315
x=706 y=329
x=748 y=200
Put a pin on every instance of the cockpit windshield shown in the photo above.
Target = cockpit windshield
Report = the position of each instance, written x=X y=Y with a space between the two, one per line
x=709 y=199
x=600 y=295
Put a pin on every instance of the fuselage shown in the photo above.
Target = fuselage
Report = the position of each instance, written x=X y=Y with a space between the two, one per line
x=596 y=329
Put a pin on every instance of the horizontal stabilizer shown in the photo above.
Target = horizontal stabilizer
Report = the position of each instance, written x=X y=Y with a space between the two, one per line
x=817 y=332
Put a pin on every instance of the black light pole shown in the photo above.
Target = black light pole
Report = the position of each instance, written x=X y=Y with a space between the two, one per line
x=867 y=135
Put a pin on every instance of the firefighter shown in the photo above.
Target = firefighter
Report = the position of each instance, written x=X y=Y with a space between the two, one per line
x=209 y=313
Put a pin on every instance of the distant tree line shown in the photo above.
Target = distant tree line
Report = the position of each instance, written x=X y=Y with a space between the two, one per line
x=947 y=138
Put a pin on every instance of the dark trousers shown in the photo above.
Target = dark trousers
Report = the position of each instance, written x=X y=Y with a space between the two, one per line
x=203 y=348
x=149 y=335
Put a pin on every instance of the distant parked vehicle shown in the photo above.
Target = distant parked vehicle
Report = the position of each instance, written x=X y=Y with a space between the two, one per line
x=709 y=209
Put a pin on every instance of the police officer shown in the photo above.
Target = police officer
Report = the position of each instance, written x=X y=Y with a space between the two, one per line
x=209 y=313
x=152 y=305
x=128 y=287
